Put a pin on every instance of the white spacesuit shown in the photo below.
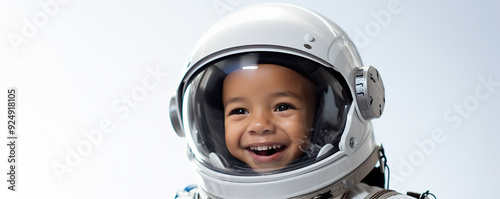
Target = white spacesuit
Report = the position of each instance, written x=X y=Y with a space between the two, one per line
x=276 y=103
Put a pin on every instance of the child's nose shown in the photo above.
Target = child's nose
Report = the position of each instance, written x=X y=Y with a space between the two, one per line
x=261 y=123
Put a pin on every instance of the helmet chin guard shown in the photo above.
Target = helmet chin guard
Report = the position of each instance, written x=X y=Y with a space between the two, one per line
x=341 y=149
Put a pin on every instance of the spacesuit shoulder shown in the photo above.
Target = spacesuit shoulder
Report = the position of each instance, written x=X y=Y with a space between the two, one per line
x=190 y=192
x=364 y=191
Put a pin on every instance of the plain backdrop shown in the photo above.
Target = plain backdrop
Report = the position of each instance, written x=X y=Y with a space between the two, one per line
x=94 y=80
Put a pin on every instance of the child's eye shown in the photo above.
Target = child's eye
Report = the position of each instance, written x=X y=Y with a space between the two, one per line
x=283 y=107
x=238 y=111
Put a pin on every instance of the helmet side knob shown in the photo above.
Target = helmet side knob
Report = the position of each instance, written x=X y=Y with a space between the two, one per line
x=370 y=92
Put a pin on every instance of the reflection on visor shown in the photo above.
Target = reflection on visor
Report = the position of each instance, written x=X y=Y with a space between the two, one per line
x=249 y=67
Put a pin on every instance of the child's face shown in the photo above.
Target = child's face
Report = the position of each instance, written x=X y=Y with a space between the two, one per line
x=268 y=114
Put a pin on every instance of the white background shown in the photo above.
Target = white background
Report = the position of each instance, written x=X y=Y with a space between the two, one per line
x=76 y=63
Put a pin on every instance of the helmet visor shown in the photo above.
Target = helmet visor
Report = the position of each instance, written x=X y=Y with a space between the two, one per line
x=260 y=113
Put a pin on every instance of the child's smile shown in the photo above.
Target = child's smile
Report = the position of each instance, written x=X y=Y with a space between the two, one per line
x=268 y=115
x=266 y=153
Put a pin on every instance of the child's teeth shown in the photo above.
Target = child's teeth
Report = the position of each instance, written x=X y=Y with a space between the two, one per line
x=263 y=148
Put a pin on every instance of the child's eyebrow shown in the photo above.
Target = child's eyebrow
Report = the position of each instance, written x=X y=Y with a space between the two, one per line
x=286 y=93
x=233 y=100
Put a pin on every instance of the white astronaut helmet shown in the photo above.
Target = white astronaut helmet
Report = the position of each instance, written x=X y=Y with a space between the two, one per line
x=340 y=151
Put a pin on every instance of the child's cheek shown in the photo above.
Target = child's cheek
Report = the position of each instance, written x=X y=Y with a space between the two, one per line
x=230 y=137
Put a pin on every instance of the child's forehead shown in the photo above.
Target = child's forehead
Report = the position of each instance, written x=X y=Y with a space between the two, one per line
x=305 y=67
x=257 y=71
x=265 y=76
x=268 y=78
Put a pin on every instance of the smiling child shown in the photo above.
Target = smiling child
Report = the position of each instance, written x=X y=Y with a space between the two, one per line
x=268 y=114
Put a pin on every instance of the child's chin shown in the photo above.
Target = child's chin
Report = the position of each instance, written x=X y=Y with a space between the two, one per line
x=267 y=167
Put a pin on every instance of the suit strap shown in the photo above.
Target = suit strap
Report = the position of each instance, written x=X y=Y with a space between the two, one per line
x=382 y=194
